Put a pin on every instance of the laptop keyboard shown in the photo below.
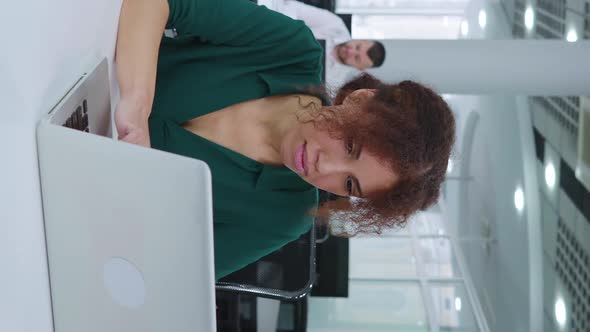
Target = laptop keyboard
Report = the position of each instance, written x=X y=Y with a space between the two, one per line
x=79 y=119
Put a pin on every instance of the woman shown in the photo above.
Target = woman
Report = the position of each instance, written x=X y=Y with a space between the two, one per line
x=238 y=88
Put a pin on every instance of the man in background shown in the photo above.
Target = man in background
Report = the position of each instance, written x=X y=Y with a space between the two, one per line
x=345 y=57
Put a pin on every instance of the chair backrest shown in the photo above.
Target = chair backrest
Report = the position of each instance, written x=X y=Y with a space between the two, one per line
x=286 y=274
x=347 y=19
x=324 y=4
x=323 y=45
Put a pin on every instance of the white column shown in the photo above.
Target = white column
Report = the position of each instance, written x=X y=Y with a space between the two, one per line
x=524 y=67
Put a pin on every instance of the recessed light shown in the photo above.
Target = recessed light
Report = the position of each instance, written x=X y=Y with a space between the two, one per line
x=529 y=18
x=560 y=312
x=550 y=175
x=572 y=36
x=450 y=166
x=519 y=199
x=482 y=18
x=458 y=304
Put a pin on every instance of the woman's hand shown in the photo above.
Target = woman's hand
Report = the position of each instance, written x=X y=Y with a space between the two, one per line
x=131 y=120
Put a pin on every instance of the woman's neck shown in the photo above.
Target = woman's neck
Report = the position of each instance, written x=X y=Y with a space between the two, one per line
x=255 y=128
x=280 y=115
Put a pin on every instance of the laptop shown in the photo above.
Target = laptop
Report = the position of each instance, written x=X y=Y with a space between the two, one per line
x=129 y=230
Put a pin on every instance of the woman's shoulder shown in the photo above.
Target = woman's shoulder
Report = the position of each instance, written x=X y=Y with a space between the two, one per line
x=294 y=216
x=296 y=31
x=300 y=37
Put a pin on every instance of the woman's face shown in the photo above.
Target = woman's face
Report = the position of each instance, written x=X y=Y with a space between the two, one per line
x=338 y=166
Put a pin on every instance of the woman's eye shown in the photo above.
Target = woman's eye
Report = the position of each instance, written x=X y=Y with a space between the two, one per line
x=349 y=185
x=349 y=146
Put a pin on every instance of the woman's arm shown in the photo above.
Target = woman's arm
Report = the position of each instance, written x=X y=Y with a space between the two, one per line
x=141 y=26
x=257 y=36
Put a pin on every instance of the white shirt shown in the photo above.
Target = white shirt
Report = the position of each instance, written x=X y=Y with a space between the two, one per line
x=324 y=25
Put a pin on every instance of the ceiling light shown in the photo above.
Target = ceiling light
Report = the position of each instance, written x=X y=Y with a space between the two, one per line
x=482 y=18
x=464 y=28
x=458 y=303
x=572 y=36
x=519 y=199
x=529 y=18
x=550 y=175
x=560 y=312
x=450 y=166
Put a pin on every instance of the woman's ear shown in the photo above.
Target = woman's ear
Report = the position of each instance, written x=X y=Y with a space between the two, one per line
x=358 y=96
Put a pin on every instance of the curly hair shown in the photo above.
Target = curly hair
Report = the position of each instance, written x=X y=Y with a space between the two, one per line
x=408 y=127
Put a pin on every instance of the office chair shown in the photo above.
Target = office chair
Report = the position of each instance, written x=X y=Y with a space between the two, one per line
x=324 y=4
x=286 y=274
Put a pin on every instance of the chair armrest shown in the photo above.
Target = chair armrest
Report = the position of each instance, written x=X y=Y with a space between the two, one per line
x=273 y=293
x=269 y=293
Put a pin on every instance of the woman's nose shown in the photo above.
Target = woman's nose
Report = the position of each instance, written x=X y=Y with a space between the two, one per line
x=331 y=165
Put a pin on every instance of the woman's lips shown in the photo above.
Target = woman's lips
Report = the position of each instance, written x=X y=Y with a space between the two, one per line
x=300 y=160
x=304 y=157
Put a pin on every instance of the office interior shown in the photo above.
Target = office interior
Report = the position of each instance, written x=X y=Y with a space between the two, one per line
x=506 y=248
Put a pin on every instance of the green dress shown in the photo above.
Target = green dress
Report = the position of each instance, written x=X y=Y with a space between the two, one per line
x=227 y=52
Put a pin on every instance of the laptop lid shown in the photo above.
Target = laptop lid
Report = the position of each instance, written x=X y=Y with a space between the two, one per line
x=129 y=235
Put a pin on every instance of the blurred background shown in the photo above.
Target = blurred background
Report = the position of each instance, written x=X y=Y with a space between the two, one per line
x=507 y=248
